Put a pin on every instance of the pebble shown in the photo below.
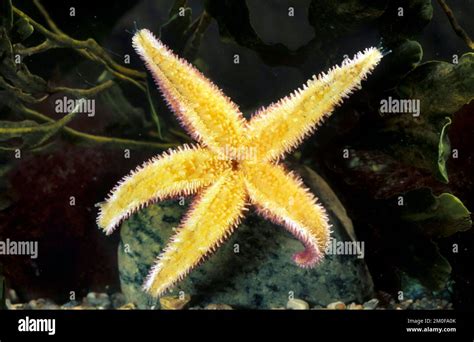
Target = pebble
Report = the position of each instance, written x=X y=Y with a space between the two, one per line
x=128 y=306
x=318 y=307
x=41 y=304
x=406 y=304
x=218 y=307
x=118 y=300
x=174 y=302
x=297 y=304
x=354 y=306
x=13 y=296
x=100 y=301
x=84 y=307
x=18 y=306
x=371 y=304
x=337 y=306
x=69 y=305
x=94 y=301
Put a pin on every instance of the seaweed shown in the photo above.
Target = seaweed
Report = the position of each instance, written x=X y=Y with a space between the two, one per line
x=21 y=88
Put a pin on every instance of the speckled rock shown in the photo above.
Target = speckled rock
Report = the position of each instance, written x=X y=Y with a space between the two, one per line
x=254 y=269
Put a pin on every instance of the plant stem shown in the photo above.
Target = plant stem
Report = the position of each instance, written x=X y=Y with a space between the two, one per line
x=97 y=139
x=455 y=25
x=90 y=92
x=88 y=48
x=44 y=46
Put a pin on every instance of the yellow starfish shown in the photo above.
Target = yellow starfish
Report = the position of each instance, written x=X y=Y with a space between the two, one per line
x=235 y=163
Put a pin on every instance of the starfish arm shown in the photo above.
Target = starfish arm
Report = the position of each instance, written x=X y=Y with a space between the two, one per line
x=280 y=127
x=281 y=197
x=178 y=172
x=209 y=116
x=211 y=220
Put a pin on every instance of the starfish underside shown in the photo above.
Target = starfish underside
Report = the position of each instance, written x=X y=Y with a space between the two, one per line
x=235 y=163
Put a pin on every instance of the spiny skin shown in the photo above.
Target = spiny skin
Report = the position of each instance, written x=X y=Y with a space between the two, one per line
x=282 y=198
x=234 y=165
x=297 y=115
x=222 y=202
x=185 y=170
x=207 y=114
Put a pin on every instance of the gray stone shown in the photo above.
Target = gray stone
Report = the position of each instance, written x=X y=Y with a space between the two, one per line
x=260 y=275
x=71 y=304
x=371 y=304
x=97 y=300
x=118 y=300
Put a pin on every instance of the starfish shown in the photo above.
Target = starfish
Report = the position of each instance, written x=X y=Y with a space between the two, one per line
x=234 y=164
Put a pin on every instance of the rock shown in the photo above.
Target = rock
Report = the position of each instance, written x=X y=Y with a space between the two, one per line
x=318 y=307
x=297 y=304
x=41 y=304
x=337 y=306
x=428 y=303
x=13 y=296
x=70 y=305
x=174 y=302
x=406 y=304
x=128 y=306
x=52 y=306
x=84 y=307
x=19 y=306
x=118 y=300
x=371 y=304
x=354 y=306
x=218 y=307
x=97 y=300
x=254 y=268
x=36 y=304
